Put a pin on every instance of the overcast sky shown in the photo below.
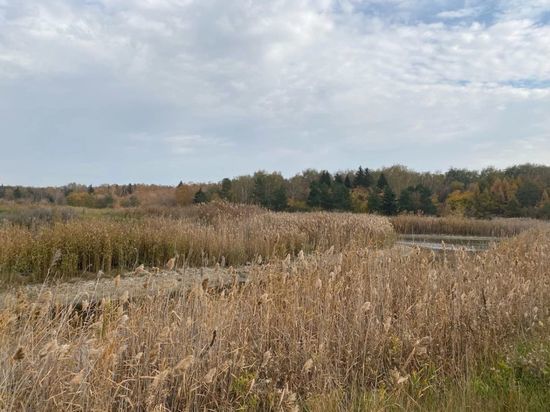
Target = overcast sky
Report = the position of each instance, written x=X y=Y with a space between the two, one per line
x=157 y=91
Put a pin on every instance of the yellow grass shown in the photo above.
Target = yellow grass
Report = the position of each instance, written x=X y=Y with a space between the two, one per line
x=454 y=225
x=298 y=335
x=205 y=236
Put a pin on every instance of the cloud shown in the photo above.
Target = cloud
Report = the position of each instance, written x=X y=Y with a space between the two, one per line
x=458 y=14
x=277 y=85
x=184 y=144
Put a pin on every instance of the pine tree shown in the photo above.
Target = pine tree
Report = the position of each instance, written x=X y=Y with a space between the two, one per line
x=200 y=197
x=359 y=178
x=226 y=192
x=405 y=203
x=325 y=178
x=382 y=182
x=374 y=202
x=314 y=197
x=280 y=199
x=389 y=205
x=347 y=182
x=341 y=197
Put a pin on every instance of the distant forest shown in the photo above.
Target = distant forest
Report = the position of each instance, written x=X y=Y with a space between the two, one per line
x=518 y=191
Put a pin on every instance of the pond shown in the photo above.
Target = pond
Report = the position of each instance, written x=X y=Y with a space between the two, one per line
x=447 y=242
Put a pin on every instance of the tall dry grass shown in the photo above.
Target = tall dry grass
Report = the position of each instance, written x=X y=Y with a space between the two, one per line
x=208 y=237
x=453 y=225
x=298 y=333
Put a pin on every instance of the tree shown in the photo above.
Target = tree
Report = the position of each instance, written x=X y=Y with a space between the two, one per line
x=314 y=197
x=17 y=193
x=374 y=202
x=528 y=194
x=363 y=178
x=512 y=208
x=347 y=182
x=225 y=192
x=405 y=203
x=382 y=182
x=341 y=199
x=91 y=190
x=325 y=178
x=426 y=204
x=280 y=199
x=389 y=205
x=184 y=194
x=200 y=197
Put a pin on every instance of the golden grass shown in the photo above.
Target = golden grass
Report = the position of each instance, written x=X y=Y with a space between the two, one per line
x=205 y=237
x=329 y=323
x=453 y=225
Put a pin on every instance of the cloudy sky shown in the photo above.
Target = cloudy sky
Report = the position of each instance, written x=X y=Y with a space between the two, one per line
x=155 y=91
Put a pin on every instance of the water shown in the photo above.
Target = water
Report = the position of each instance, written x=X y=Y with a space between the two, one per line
x=447 y=242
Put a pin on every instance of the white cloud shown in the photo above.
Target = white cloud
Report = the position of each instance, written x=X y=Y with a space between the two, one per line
x=458 y=14
x=261 y=74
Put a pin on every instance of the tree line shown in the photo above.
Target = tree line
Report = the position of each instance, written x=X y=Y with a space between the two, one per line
x=518 y=191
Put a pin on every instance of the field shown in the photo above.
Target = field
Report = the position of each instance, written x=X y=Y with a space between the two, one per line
x=310 y=312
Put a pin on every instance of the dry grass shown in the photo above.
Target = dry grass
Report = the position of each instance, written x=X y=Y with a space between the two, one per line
x=300 y=333
x=500 y=227
x=205 y=237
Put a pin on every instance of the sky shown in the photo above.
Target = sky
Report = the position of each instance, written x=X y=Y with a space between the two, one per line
x=158 y=91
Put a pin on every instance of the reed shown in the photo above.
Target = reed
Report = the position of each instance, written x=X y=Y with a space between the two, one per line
x=312 y=333
x=205 y=238
x=453 y=225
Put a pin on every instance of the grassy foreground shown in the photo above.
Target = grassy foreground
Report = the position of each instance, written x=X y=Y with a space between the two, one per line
x=358 y=329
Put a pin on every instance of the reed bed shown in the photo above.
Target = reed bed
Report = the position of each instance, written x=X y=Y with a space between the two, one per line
x=301 y=333
x=106 y=244
x=452 y=225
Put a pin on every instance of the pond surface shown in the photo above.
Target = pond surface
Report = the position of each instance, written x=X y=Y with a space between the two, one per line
x=447 y=242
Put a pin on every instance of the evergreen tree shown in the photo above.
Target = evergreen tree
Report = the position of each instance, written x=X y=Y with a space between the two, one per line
x=200 y=197
x=359 y=178
x=512 y=208
x=91 y=190
x=367 y=179
x=326 y=196
x=338 y=178
x=426 y=204
x=374 y=202
x=389 y=205
x=325 y=178
x=341 y=197
x=382 y=182
x=259 y=193
x=405 y=203
x=280 y=199
x=528 y=194
x=226 y=189
x=347 y=182
x=314 y=197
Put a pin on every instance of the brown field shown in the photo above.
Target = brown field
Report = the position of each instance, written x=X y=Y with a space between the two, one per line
x=351 y=324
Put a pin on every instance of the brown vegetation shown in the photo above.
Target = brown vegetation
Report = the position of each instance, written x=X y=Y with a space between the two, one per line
x=500 y=227
x=299 y=334
x=208 y=235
